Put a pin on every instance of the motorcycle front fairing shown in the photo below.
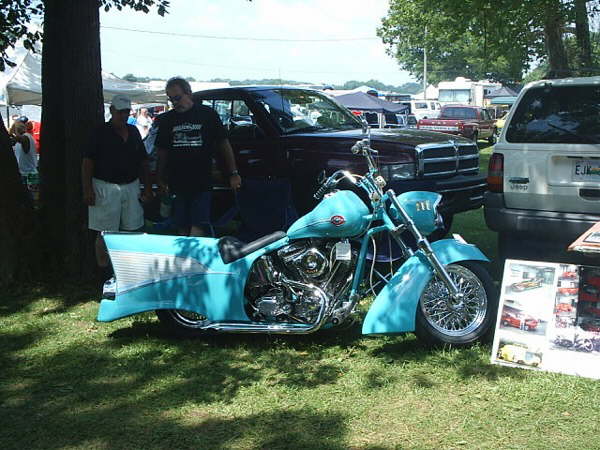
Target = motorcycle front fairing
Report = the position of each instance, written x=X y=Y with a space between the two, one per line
x=175 y=272
x=393 y=310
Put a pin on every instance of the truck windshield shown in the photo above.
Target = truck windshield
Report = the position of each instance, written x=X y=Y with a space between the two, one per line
x=459 y=113
x=298 y=111
x=557 y=114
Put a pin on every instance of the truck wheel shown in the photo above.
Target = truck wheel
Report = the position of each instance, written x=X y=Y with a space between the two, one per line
x=442 y=320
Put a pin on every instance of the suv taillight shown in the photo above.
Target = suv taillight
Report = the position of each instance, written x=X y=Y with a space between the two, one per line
x=495 y=178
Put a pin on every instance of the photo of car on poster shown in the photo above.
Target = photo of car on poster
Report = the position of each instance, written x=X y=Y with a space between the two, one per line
x=549 y=318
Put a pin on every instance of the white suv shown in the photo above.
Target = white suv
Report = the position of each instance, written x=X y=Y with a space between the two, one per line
x=544 y=173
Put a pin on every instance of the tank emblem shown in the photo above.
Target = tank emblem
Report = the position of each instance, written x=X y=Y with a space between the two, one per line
x=423 y=205
x=337 y=220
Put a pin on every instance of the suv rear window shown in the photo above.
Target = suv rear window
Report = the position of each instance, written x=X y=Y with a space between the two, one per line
x=459 y=113
x=557 y=114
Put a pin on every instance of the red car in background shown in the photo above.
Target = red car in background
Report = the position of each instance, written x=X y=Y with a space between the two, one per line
x=519 y=320
x=563 y=307
x=524 y=285
x=568 y=290
x=569 y=275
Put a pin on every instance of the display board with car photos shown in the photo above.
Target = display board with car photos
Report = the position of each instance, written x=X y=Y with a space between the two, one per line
x=549 y=318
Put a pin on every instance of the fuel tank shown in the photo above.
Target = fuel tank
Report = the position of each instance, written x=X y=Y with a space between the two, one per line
x=340 y=214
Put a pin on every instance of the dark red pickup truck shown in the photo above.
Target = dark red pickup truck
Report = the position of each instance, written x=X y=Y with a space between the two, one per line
x=296 y=134
x=472 y=122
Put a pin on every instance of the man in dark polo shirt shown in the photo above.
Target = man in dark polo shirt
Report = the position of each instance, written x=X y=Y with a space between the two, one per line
x=188 y=137
x=110 y=172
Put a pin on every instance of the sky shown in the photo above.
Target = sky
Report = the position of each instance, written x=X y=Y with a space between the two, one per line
x=316 y=41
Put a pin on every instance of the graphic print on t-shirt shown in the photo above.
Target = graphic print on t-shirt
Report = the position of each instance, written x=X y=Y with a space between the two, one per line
x=187 y=135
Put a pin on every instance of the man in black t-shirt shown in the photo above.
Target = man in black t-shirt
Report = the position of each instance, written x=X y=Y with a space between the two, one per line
x=188 y=137
x=110 y=171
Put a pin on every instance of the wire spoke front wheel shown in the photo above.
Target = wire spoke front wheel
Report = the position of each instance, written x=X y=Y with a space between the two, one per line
x=442 y=318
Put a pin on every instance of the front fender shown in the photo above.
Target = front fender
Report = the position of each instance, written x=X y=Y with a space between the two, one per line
x=394 y=309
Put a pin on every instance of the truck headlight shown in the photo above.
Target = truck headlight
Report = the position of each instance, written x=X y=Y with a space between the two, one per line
x=395 y=172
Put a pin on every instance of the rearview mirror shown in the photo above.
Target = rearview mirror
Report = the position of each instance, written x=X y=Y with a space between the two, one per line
x=365 y=124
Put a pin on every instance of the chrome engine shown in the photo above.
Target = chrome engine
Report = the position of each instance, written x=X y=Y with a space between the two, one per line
x=311 y=264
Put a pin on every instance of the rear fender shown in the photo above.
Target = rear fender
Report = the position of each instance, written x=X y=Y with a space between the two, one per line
x=394 y=309
x=171 y=272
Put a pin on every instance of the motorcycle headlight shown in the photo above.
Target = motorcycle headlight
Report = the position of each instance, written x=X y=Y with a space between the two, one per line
x=394 y=172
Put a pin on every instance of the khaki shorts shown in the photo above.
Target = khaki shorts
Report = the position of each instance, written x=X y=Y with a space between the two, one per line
x=117 y=207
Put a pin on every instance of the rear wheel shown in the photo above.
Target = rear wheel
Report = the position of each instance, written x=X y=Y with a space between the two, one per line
x=443 y=320
x=183 y=323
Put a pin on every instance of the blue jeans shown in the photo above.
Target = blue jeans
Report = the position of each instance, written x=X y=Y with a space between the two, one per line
x=191 y=209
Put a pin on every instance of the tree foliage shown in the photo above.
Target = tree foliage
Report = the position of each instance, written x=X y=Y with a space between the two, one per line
x=479 y=39
x=16 y=15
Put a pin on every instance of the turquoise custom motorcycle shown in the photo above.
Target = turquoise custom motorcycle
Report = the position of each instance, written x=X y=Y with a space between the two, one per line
x=313 y=276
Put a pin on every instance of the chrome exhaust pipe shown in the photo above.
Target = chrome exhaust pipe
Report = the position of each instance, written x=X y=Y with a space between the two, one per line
x=291 y=328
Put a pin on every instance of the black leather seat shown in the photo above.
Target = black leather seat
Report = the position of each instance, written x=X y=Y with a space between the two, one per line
x=232 y=249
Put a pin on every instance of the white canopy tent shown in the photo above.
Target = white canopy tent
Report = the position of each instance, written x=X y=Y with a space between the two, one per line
x=22 y=84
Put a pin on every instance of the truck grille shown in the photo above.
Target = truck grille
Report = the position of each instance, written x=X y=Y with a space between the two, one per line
x=446 y=160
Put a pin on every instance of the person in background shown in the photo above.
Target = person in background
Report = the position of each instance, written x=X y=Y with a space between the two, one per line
x=34 y=129
x=110 y=178
x=188 y=137
x=27 y=158
x=24 y=147
x=143 y=122
x=131 y=120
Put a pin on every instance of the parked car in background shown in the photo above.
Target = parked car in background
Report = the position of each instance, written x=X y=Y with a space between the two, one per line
x=471 y=122
x=563 y=307
x=520 y=355
x=424 y=109
x=544 y=173
x=568 y=290
x=526 y=285
x=299 y=133
x=569 y=275
x=400 y=121
x=510 y=319
x=500 y=122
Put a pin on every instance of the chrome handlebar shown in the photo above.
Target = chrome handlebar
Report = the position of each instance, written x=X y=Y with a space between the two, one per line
x=332 y=181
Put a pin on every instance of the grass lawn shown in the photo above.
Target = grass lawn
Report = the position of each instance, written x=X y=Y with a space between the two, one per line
x=69 y=382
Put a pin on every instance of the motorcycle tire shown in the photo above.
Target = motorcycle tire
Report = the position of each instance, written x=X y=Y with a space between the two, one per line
x=442 y=321
x=182 y=323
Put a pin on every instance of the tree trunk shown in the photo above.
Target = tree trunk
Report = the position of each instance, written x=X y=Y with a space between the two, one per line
x=72 y=107
x=582 y=33
x=17 y=219
x=554 y=23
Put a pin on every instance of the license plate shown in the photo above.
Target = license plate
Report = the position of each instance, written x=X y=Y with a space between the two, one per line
x=438 y=128
x=586 y=170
